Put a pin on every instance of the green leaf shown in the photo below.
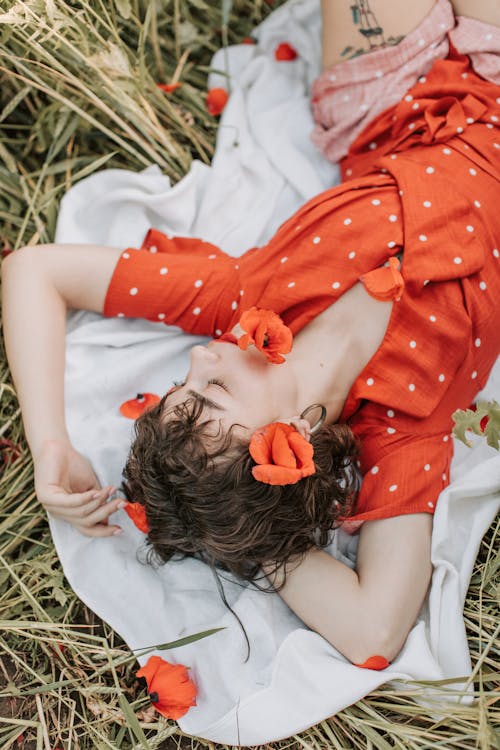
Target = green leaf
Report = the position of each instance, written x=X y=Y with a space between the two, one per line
x=468 y=419
x=14 y=102
x=180 y=642
x=133 y=721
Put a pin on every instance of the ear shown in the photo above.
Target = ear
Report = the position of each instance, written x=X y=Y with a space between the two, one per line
x=301 y=425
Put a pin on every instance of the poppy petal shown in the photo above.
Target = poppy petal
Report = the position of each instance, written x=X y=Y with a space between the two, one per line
x=169 y=87
x=270 y=474
x=170 y=686
x=285 y=52
x=374 y=662
x=283 y=455
x=216 y=100
x=134 y=407
x=137 y=513
x=267 y=332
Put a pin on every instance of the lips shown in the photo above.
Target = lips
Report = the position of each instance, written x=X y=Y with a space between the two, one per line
x=228 y=337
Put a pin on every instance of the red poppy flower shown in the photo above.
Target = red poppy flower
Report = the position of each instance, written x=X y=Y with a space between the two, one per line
x=267 y=332
x=385 y=283
x=285 y=52
x=137 y=513
x=374 y=662
x=133 y=408
x=10 y=451
x=484 y=423
x=171 y=691
x=216 y=100
x=282 y=455
x=169 y=87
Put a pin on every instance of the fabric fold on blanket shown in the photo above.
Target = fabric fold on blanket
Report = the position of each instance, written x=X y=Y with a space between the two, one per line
x=292 y=678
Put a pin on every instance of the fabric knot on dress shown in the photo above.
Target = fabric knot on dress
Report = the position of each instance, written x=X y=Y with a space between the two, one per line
x=436 y=120
x=385 y=283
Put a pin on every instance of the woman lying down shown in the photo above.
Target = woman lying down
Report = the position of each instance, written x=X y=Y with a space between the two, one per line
x=340 y=348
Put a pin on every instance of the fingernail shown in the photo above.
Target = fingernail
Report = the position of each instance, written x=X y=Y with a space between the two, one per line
x=111 y=490
x=117 y=531
x=122 y=504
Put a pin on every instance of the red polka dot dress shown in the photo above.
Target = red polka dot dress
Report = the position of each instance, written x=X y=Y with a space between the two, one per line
x=428 y=192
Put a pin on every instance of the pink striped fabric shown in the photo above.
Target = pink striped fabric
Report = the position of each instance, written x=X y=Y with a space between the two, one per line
x=347 y=96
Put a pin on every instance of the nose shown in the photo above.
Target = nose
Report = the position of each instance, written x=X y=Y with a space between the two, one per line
x=202 y=357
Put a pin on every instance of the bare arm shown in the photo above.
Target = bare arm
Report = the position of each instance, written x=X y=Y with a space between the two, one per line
x=369 y=611
x=39 y=284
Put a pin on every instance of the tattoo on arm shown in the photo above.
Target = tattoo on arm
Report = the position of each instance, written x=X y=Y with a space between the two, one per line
x=373 y=34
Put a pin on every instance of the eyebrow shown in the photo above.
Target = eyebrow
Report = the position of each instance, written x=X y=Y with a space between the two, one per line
x=205 y=401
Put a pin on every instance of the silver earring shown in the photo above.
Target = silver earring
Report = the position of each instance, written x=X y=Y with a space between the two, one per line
x=320 y=418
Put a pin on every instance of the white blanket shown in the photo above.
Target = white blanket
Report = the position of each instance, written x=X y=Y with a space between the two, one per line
x=264 y=169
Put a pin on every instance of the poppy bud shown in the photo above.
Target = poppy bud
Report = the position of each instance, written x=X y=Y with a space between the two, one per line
x=216 y=100
x=285 y=52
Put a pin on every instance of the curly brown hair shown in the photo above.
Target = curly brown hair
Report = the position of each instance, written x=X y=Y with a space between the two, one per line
x=202 y=500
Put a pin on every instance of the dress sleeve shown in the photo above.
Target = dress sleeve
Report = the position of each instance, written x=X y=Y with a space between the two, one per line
x=403 y=474
x=178 y=281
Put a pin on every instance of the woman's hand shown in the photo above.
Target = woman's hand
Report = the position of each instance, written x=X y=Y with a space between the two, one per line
x=67 y=487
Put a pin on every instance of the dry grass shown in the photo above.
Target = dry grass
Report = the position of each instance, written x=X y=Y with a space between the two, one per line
x=78 y=93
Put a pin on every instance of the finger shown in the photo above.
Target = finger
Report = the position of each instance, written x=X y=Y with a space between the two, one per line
x=100 y=530
x=97 y=511
x=57 y=498
x=102 y=514
x=77 y=515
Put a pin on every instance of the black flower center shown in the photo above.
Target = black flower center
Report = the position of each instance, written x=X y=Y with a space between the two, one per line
x=154 y=697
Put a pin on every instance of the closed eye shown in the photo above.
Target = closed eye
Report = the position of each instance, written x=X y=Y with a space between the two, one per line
x=220 y=383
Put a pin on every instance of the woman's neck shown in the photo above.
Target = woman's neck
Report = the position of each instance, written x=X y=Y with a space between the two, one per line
x=330 y=352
